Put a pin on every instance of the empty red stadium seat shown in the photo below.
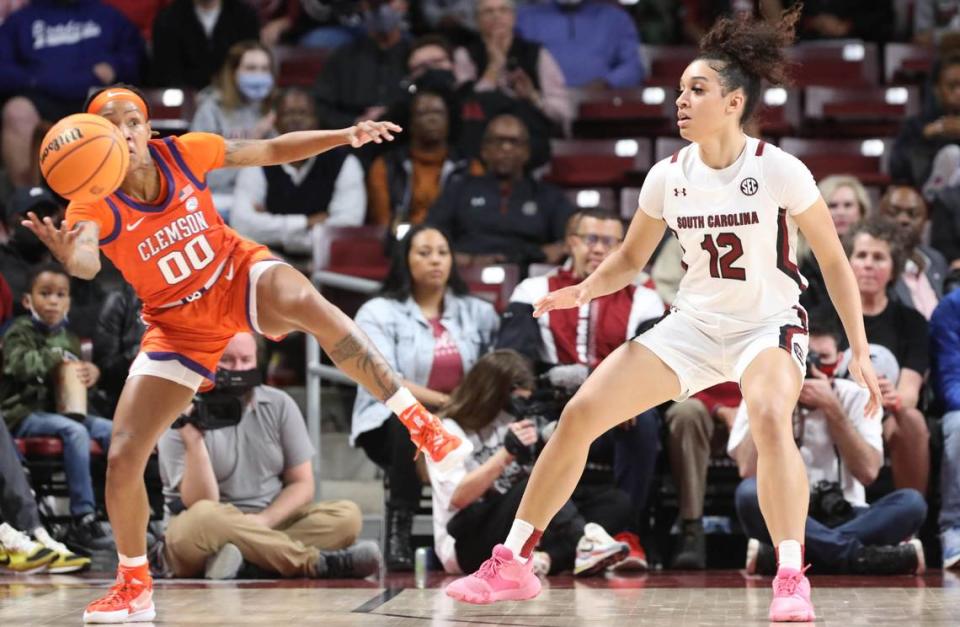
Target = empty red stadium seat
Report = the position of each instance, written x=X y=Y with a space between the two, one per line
x=907 y=63
x=863 y=158
x=48 y=447
x=495 y=284
x=619 y=112
x=299 y=66
x=663 y=147
x=171 y=110
x=357 y=251
x=844 y=62
x=667 y=63
x=628 y=201
x=597 y=162
x=859 y=111
x=592 y=198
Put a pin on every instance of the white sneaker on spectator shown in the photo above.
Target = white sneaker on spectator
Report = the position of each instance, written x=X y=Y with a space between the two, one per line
x=541 y=564
x=597 y=550
x=950 y=539
x=224 y=564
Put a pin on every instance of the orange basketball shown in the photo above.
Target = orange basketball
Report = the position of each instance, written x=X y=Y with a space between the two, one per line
x=84 y=157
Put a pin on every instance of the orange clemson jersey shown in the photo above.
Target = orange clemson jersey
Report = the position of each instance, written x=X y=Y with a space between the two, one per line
x=176 y=249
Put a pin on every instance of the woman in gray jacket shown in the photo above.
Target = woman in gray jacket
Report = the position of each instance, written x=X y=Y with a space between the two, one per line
x=431 y=331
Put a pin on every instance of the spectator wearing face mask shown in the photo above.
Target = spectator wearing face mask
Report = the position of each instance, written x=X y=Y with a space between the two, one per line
x=241 y=488
x=237 y=106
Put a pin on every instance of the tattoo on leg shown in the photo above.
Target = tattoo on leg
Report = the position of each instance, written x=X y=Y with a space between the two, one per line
x=371 y=364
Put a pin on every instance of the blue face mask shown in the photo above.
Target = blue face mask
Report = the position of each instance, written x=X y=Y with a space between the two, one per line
x=255 y=86
x=42 y=326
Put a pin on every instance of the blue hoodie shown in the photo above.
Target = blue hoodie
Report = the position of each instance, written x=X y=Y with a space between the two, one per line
x=51 y=46
x=945 y=337
x=593 y=40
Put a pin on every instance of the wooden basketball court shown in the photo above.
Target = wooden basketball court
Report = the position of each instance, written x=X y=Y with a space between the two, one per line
x=702 y=599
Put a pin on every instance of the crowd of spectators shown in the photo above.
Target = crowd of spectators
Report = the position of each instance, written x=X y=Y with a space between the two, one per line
x=481 y=89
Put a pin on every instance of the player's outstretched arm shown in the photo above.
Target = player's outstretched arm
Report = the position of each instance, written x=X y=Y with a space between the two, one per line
x=301 y=145
x=617 y=270
x=78 y=249
x=817 y=226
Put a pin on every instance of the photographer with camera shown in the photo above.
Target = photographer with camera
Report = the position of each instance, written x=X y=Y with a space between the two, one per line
x=474 y=503
x=843 y=451
x=567 y=344
x=237 y=476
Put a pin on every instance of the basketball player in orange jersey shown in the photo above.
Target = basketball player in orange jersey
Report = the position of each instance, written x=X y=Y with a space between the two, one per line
x=734 y=203
x=201 y=283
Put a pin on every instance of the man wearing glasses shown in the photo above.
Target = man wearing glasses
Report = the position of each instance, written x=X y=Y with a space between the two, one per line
x=567 y=344
x=504 y=215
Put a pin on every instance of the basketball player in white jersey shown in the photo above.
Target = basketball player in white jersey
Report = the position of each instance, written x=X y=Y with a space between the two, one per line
x=735 y=204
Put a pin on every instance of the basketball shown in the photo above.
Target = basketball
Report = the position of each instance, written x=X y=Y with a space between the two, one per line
x=84 y=157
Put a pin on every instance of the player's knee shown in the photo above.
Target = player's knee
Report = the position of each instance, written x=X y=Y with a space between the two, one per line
x=770 y=420
x=20 y=113
x=576 y=423
x=125 y=462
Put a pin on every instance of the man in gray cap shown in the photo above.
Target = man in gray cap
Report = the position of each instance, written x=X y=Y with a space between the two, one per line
x=24 y=250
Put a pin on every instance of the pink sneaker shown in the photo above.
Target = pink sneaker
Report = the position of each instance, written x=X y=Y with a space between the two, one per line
x=500 y=578
x=791 y=598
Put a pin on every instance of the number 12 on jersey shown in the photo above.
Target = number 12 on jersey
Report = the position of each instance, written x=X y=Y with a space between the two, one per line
x=721 y=265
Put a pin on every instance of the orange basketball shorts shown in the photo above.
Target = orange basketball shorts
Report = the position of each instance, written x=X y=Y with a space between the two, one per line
x=184 y=342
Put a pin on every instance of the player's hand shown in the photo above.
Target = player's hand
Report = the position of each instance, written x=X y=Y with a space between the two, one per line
x=61 y=242
x=566 y=298
x=861 y=369
x=368 y=131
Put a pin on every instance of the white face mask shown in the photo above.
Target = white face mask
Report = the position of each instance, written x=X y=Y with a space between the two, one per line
x=255 y=86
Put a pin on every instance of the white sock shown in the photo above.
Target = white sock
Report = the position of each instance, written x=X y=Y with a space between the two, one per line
x=790 y=555
x=132 y=562
x=401 y=400
x=520 y=532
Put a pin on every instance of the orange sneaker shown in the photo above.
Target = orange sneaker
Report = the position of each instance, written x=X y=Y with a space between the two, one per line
x=428 y=434
x=130 y=600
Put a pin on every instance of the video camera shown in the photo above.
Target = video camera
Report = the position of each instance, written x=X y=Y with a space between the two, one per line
x=543 y=409
x=813 y=361
x=223 y=405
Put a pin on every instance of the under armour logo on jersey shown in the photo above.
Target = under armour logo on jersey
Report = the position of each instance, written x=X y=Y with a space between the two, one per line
x=749 y=186
x=679 y=191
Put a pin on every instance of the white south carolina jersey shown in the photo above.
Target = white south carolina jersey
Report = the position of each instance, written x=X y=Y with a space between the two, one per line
x=736 y=229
